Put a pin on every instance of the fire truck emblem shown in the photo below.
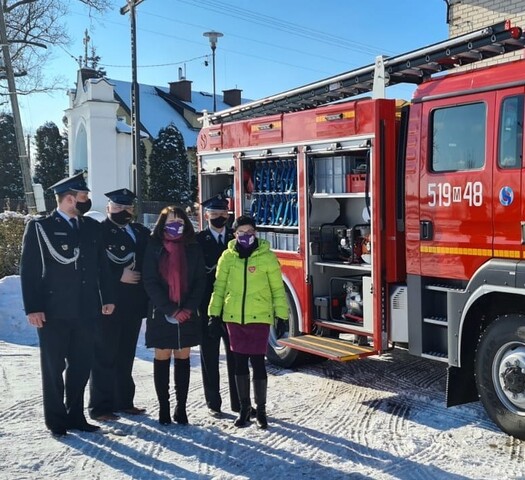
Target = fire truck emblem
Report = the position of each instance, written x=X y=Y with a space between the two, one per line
x=506 y=196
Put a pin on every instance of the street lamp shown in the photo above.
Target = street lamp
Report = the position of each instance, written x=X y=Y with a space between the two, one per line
x=213 y=36
x=135 y=108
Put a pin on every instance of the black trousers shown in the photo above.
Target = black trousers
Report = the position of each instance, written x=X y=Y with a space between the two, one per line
x=65 y=345
x=111 y=386
x=210 y=352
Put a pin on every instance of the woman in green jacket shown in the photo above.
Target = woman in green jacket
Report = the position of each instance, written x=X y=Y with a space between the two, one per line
x=249 y=293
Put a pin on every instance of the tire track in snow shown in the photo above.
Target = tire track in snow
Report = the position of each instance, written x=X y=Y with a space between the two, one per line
x=380 y=418
x=22 y=408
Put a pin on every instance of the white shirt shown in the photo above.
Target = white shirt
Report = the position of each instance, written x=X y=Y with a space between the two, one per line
x=130 y=232
x=216 y=234
x=65 y=216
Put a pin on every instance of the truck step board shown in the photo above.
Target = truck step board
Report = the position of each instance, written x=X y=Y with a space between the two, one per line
x=342 y=327
x=444 y=288
x=331 y=348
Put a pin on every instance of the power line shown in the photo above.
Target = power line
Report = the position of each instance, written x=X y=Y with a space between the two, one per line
x=250 y=39
x=268 y=21
x=282 y=25
x=69 y=53
x=157 y=65
x=250 y=54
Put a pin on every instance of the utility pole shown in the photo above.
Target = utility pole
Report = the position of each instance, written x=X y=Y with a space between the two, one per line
x=135 y=106
x=19 y=132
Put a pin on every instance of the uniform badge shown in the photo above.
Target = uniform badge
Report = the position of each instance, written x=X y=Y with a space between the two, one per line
x=251 y=269
x=122 y=247
x=64 y=247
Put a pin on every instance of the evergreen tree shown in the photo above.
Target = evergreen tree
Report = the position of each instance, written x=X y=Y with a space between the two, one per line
x=50 y=159
x=168 y=163
x=11 y=185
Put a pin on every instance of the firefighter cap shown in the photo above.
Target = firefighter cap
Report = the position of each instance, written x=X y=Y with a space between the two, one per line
x=76 y=183
x=218 y=203
x=122 y=196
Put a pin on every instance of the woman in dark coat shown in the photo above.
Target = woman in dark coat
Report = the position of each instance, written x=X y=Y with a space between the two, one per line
x=174 y=278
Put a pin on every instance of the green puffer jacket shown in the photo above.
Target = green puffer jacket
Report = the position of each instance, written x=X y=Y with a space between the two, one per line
x=249 y=290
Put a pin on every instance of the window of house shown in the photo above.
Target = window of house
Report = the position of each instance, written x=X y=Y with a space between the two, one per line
x=458 y=138
x=510 y=138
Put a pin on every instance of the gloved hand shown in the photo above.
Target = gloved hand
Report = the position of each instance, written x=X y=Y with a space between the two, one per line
x=280 y=327
x=215 y=328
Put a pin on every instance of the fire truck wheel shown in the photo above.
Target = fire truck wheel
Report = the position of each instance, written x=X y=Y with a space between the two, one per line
x=500 y=373
x=285 y=356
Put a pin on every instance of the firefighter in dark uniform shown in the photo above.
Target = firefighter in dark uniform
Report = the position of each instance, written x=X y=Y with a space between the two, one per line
x=64 y=274
x=112 y=388
x=214 y=240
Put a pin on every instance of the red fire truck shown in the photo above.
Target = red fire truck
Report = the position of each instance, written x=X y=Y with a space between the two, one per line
x=395 y=223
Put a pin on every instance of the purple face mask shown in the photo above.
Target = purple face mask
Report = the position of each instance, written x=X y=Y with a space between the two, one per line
x=174 y=229
x=245 y=240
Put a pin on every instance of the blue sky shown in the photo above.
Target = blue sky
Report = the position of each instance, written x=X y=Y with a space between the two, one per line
x=268 y=47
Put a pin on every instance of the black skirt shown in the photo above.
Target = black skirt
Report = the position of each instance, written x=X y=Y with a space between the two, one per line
x=162 y=334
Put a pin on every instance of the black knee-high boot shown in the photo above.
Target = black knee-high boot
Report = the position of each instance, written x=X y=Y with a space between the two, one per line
x=182 y=384
x=243 y=388
x=260 y=387
x=161 y=377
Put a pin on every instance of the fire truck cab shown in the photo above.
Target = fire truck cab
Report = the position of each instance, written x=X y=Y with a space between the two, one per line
x=395 y=223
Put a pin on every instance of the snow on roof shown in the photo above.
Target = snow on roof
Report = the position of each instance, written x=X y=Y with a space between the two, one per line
x=123 y=127
x=157 y=113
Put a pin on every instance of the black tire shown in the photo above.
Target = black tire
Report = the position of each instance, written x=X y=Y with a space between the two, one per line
x=500 y=373
x=285 y=356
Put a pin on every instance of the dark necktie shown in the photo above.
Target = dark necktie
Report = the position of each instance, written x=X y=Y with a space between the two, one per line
x=74 y=224
x=219 y=239
x=126 y=231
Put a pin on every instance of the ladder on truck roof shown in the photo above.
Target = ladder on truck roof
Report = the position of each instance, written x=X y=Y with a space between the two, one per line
x=412 y=67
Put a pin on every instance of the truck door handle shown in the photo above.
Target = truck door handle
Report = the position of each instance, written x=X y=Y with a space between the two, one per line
x=426 y=230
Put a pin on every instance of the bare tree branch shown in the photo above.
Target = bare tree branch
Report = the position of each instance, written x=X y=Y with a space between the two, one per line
x=31 y=23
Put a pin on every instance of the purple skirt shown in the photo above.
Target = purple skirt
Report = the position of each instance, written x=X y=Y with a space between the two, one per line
x=251 y=339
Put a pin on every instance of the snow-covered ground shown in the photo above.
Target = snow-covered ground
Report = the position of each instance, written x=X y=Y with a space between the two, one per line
x=377 y=418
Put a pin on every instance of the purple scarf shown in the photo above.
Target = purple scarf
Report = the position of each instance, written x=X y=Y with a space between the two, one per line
x=173 y=269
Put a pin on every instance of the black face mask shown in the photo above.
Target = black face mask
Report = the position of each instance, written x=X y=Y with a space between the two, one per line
x=121 y=218
x=84 y=207
x=218 y=222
